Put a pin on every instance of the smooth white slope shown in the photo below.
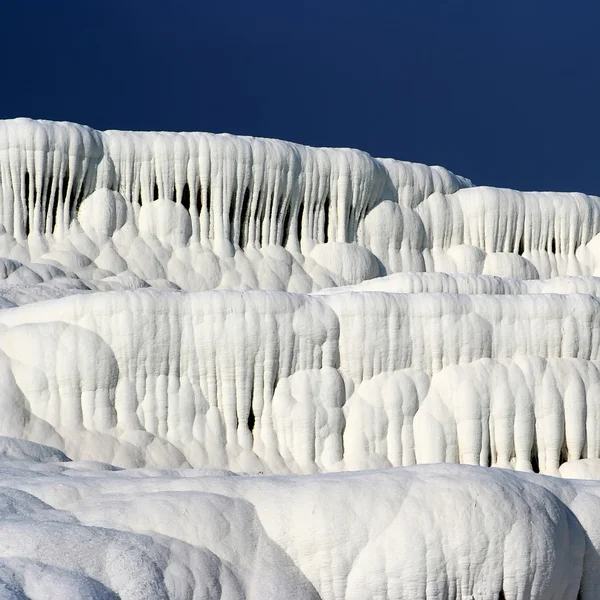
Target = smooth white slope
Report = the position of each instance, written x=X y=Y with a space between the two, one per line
x=458 y=283
x=86 y=530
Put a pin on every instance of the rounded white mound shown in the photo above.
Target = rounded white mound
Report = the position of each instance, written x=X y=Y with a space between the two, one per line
x=420 y=532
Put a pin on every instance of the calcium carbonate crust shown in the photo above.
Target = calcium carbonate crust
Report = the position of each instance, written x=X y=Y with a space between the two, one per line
x=90 y=530
x=278 y=382
x=175 y=308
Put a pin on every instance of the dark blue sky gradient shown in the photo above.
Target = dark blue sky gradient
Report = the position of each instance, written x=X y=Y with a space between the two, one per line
x=504 y=92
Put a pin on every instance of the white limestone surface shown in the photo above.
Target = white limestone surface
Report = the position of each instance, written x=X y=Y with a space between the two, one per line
x=177 y=308
x=278 y=382
x=204 y=211
x=201 y=211
x=90 y=530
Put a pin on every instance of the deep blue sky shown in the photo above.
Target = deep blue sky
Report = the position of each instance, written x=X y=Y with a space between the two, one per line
x=506 y=92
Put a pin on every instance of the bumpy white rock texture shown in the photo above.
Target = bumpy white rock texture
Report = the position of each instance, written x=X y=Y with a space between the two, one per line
x=185 y=306
x=202 y=211
x=91 y=530
x=284 y=382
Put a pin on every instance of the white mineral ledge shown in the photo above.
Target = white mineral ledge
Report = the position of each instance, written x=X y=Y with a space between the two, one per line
x=253 y=351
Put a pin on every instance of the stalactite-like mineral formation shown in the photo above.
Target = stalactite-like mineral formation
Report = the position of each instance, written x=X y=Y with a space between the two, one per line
x=179 y=308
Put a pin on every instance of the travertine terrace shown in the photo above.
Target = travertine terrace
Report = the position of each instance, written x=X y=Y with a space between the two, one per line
x=254 y=351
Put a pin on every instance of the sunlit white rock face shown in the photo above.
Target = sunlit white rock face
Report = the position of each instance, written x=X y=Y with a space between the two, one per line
x=284 y=382
x=202 y=211
x=186 y=306
x=90 y=530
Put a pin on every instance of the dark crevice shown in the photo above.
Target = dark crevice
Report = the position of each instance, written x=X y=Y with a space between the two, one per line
x=259 y=221
x=232 y=236
x=251 y=419
x=521 y=250
x=79 y=198
x=350 y=225
x=77 y=203
x=54 y=209
x=564 y=454
x=155 y=194
x=208 y=200
x=244 y=218
x=286 y=225
x=535 y=463
x=553 y=246
x=185 y=197
x=299 y=222
x=501 y=595
x=326 y=207
x=49 y=205
x=65 y=186
x=199 y=199
x=72 y=196
x=27 y=189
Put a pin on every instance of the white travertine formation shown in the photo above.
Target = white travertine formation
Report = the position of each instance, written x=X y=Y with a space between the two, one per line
x=296 y=383
x=203 y=211
x=247 y=305
x=456 y=283
x=89 y=530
